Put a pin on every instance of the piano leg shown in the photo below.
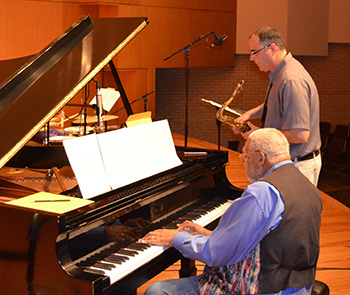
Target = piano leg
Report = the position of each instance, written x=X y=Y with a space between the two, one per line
x=188 y=268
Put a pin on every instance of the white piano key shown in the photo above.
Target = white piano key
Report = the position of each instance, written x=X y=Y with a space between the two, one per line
x=214 y=214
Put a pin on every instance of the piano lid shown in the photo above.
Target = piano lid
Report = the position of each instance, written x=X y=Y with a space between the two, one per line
x=47 y=82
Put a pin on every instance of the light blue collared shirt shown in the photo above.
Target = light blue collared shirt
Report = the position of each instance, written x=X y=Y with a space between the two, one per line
x=244 y=224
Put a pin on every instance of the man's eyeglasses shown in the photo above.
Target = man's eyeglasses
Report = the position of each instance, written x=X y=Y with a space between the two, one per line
x=257 y=51
x=244 y=156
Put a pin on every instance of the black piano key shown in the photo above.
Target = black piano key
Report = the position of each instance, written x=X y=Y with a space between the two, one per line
x=114 y=260
x=103 y=265
x=98 y=257
x=200 y=210
x=138 y=246
x=171 y=226
x=142 y=244
x=124 y=258
x=127 y=252
x=186 y=217
x=95 y=271
x=83 y=264
x=190 y=213
x=196 y=215
x=89 y=261
x=113 y=248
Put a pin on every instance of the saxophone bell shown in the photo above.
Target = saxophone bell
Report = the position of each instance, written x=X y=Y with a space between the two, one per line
x=241 y=127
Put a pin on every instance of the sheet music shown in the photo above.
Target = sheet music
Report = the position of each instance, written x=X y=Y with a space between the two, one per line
x=85 y=159
x=109 y=98
x=126 y=155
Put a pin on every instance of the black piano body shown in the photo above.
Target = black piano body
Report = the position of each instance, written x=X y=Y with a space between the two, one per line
x=44 y=253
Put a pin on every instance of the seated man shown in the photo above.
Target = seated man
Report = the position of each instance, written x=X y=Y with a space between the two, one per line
x=267 y=242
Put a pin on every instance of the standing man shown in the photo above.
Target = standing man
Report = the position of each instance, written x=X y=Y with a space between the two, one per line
x=267 y=242
x=291 y=104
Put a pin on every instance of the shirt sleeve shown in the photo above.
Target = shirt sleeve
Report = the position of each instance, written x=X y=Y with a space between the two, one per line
x=241 y=228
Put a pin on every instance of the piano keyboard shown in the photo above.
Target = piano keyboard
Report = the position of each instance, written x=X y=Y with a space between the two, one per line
x=121 y=263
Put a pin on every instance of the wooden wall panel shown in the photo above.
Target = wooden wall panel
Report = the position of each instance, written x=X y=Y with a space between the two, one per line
x=171 y=30
x=303 y=24
x=339 y=21
x=308 y=27
x=252 y=14
x=222 y=5
x=28 y=26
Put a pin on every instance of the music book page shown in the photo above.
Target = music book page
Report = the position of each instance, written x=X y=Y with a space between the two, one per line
x=109 y=98
x=84 y=156
x=113 y=159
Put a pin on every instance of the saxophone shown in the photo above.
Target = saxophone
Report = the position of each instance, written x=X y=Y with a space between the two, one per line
x=241 y=127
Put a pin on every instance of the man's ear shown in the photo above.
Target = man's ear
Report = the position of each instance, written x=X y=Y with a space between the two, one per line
x=274 y=48
x=261 y=159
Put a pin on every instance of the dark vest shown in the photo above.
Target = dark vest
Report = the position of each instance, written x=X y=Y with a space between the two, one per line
x=289 y=252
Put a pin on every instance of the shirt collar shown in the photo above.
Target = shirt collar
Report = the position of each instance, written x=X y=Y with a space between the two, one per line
x=277 y=165
x=281 y=65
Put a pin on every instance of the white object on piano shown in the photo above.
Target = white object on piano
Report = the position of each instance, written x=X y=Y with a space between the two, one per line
x=109 y=98
x=113 y=159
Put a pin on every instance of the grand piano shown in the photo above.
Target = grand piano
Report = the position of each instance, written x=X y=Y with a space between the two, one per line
x=70 y=253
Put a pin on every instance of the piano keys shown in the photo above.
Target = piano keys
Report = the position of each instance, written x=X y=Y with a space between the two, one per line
x=43 y=253
x=118 y=263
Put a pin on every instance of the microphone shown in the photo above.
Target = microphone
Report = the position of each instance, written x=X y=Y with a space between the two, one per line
x=99 y=105
x=218 y=41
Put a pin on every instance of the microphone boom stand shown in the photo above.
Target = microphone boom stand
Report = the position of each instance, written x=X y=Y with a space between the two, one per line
x=142 y=97
x=186 y=49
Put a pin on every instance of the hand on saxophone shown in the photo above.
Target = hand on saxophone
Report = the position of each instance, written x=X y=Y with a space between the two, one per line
x=250 y=114
x=244 y=119
x=245 y=135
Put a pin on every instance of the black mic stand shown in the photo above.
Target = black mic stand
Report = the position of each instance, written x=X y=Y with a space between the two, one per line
x=137 y=99
x=186 y=49
x=145 y=99
x=218 y=123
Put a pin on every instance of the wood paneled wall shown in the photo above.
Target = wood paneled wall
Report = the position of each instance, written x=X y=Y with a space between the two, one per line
x=303 y=24
x=27 y=26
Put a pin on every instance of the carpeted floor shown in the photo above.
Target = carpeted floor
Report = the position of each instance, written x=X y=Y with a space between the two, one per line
x=342 y=196
x=335 y=184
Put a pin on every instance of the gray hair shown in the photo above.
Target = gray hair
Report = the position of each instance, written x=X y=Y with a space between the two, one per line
x=271 y=142
x=269 y=35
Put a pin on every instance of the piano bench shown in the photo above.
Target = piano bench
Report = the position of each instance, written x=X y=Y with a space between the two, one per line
x=319 y=288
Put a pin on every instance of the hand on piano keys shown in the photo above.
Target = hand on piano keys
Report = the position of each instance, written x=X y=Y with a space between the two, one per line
x=164 y=237
x=160 y=237
x=194 y=228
